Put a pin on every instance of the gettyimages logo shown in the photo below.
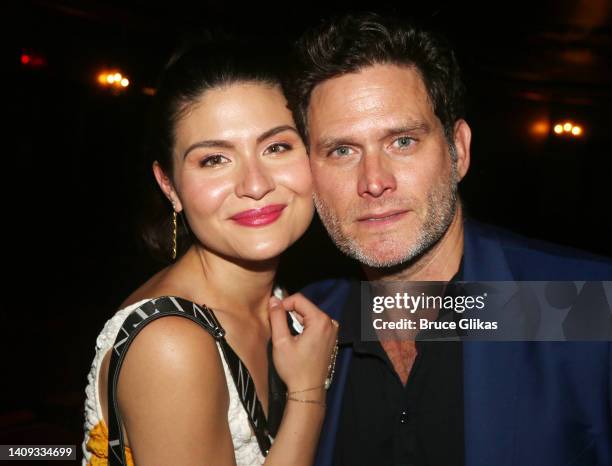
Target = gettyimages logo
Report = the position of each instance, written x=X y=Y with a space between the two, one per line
x=413 y=303
x=487 y=311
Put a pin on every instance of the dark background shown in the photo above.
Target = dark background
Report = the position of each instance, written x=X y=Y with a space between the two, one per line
x=72 y=172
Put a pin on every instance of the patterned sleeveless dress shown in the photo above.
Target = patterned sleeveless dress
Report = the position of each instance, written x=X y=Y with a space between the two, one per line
x=95 y=443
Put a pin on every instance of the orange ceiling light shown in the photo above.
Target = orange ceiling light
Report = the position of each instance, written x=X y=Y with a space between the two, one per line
x=567 y=128
x=113 y=79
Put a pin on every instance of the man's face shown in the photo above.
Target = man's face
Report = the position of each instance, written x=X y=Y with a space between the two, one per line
x=385 y=182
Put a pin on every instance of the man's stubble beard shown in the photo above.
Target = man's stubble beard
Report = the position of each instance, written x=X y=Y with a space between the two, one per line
x=441 y=209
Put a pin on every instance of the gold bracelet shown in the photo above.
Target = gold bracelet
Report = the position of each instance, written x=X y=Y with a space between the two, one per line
x=306 y=390
x=332 y=367
x=314 y=402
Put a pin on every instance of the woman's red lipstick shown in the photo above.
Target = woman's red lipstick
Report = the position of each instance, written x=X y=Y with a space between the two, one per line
x=259 y=217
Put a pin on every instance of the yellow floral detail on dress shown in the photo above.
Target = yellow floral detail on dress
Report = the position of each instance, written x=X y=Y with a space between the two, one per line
x=98 y=446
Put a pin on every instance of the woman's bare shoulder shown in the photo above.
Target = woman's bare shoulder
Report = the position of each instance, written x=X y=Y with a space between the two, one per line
x=169 y=355
x=171 y=348
x=172 y=343
x=173 y=375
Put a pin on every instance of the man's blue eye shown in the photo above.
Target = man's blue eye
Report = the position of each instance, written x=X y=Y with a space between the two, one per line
x=404 y=141
x=342 y=151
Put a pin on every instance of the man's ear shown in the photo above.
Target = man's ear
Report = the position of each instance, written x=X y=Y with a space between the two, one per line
x=463 y=138
x=166 y=186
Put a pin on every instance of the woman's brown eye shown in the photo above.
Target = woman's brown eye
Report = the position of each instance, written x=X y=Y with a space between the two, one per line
x=213 y=160
x=276 y=148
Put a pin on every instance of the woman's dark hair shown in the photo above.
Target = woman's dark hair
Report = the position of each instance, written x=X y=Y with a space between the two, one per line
x=199 y=65
x=350 y=43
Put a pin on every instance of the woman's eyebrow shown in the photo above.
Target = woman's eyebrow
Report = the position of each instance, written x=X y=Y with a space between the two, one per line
x=209 y=143
x=275 y=130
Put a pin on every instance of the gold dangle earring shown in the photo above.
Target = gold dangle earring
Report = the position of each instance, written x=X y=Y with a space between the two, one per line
x=174 y=231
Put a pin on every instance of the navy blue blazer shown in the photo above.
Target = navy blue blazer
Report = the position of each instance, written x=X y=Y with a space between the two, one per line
x=525 y=403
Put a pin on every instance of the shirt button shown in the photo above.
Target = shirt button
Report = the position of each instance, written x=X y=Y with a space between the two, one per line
x=404 y=417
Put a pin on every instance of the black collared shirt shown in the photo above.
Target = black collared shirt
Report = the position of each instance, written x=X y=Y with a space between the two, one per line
x=383 y=422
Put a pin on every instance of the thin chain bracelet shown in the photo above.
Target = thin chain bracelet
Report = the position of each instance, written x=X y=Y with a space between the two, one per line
x=314 y=402
x=306 y=390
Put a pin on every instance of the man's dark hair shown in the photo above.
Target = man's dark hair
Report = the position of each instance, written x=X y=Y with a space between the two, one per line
x=348 y=44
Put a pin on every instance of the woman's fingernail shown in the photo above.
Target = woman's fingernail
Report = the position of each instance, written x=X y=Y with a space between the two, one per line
x=274 y=301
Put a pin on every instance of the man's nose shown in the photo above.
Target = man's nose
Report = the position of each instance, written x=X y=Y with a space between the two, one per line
x=255 y=180
x=375 y=175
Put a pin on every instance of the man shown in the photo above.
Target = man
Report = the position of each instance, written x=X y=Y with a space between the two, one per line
x=379 y=104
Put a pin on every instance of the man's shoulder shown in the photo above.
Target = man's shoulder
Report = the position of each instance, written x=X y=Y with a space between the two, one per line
x=331 y=294
x=534 y=259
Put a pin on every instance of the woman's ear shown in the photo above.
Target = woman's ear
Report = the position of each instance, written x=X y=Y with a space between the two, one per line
x=166 y=186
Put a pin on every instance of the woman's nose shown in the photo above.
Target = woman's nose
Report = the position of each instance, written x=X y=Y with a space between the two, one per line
x=256 y=181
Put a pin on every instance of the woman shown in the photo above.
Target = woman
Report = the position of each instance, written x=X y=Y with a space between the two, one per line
x=235 y=170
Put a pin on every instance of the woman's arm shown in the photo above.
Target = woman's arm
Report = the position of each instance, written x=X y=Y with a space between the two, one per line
x=302 y=361
x=173 y=397
x=298 y=435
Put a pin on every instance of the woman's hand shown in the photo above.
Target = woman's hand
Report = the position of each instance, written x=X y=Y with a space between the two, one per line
x=302 y=361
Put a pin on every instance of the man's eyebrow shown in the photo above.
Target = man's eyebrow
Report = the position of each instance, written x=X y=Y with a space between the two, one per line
x=417 y=126
x=228 y=145
x=327 y=143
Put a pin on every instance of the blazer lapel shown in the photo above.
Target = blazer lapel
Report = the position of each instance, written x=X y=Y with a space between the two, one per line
x=490 y=368
x=333 y=297
x=325 y=451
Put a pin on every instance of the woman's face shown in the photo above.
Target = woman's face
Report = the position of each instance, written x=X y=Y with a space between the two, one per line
x=241 y=172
